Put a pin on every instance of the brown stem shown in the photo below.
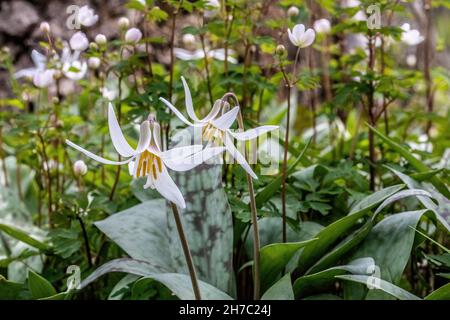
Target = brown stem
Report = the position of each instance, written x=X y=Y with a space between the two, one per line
x=3 y=159
x=427 y=64
x=371 y=114
x=208 y=78
x=312 y=95
x=49 y=180
x=186 y=251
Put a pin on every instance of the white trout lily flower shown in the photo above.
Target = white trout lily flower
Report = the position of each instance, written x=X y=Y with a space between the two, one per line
x=215 y=128
x=300 y=37
x=410 y=36
x=218 y=54
x=147 y=159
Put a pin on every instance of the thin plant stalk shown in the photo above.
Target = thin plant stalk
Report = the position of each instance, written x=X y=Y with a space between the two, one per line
x=3 y=159
x=186 y=251
x=427 y=64
x=254 y=212
x=208 y=77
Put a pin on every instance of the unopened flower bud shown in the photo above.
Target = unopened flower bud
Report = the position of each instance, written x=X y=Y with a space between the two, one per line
x=123 y=23
x=100 y=39
x=293 y=12
x=80 y=168
x=133 y=35
x=93 y=46
x=55 y=100
x=188 y=39
x=57 y=75
x=280 y=50
x=79 y=41
x=44 y=27
x=94 y=62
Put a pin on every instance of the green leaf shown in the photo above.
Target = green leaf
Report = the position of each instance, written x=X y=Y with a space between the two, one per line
x=382 y=285
x=265 y=194
x=390 y=243
x=10 y=290
x=327 y=236
x=22 y=236
x=281 y=290
x=442 y=293
x=275 y=257
x=416 y=163
x=39 y=286
x=179 y=284
x=324 y=280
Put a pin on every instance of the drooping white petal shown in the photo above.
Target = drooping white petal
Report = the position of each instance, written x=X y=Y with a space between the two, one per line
x=238 y=156
x=118 y=140
x=177 y=113
x=214 y=111
x=168 y=189
x=188 y=55
x=188 y=163
x=180 y=152
x=145 y=136
x=131 y=168
x=28 y=73
x=225 y=121
x=219 y=54
x=292 y=38
x=188 y=101
x=252 y=133
x=95 y=157
x=39 y=59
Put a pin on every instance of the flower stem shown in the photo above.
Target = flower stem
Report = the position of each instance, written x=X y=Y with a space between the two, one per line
x=254 y=212
x=86 y=241
x=187 y=252
x=3 y=159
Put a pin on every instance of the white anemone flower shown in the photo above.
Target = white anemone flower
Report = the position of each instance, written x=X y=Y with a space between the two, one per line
x=147 y=159
x=322 y=26
x=72 y=67
x=218 y=54
x=410 y=36
x=215 y=128
x=300 y=37
x=87 y=17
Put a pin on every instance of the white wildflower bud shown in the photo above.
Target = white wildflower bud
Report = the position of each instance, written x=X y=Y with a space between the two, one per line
x=123 y=23
x=94 y=62
x=323 y=26
x=411 y=60
x=293 y=12
x=188 y=40
x=133 y=35
x=57 y=74
x=80 y=168
x=280 y=50
x=44 y=27
x=79 y=41
x=93 y=46
x=100 y=39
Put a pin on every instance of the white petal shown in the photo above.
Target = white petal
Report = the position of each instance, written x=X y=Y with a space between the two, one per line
x=188 y=55
x=214 y=111
x=225 y=121
x=95 y=157
x=292 y=38
x=238 y=156
x=157 y=136
x=298 y=31
x=252 y=133
x=308 y=38
x=187 y=163
x=118 y=140
x=131 y=168
x=168 y=189
x=180 y=152
x=39 y=59
x=177 y=113
x=188 y=101
x=145 y=136
x=28 y=73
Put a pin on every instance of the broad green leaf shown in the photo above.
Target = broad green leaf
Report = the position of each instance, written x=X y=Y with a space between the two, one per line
x=416 y=163
x=273 y=187
x=11 y=290
x=281 y=290
x=442 y=293
x=179 y=284
x=390 y=243
x=23 y=236
x=321 y=281
x=39 y=286
x=275 y=257
x=327 y=236
x=380 y=284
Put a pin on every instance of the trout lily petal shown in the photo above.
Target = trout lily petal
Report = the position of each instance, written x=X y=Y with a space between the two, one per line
x=218 y=54
x=147 y=159
x=215 y=128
